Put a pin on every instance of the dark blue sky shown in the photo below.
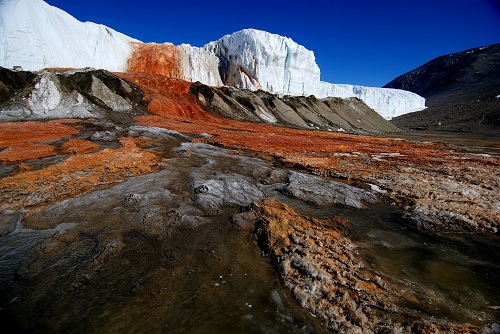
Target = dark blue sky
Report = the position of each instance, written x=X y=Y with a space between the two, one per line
x=357 y=42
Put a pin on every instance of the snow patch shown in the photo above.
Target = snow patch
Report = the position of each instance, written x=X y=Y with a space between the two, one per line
x=265 y=116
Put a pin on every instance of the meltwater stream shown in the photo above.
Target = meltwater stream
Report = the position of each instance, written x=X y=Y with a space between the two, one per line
x=213 y=279
x=459 y=272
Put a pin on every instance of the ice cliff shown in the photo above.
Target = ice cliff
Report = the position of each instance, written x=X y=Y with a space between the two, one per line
x=35 y=35
x=387 y=102
x=255 y=59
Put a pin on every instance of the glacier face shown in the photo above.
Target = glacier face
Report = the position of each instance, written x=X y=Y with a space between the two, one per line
x=199 y=65
x=387 y=102
x=184 y=62
x=255 y=59
x=35 y=35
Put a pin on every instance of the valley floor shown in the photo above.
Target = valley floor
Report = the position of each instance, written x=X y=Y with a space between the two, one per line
x=155 y=225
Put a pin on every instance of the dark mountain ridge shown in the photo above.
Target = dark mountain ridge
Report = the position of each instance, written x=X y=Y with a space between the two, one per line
x=461 y=91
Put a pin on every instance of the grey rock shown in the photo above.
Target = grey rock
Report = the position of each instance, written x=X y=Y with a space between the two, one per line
x=8 y=222
x=225 y=190
x=333 y=114
x=318 y=191
x=81 y=93
x=107 y=136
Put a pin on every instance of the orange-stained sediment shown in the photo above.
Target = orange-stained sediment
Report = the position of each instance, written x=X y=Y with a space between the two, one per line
x=24 y=140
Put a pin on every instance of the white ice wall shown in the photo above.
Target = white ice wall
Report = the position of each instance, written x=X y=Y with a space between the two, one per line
x=254 y=59
x=199 y=65
x=35 y=35
x=278 y=64
x=387 y=102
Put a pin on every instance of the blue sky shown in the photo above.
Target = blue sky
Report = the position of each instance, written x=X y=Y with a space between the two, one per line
x=357 y=42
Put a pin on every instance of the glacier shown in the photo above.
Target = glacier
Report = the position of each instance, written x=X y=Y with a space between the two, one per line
x=254 y=59
x=35 y=35
x=386 y=101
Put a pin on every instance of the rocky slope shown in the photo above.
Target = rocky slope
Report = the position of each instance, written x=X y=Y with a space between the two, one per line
x=333 y=114
x=35 y=35
x=61 y=94
x=461 y=90
x=97 y=93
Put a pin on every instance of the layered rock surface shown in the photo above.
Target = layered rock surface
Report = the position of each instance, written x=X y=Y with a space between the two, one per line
x=98 y=93
x=439 y=187
x=333 y=114
x=318 y=264
x=77 y=93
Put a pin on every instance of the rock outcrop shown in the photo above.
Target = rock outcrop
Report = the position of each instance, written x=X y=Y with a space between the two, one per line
x=318 y=191
x=333 y=114
x=97 y=93
x=77 y=93
x=442 y=189
x=318 y=263
x=13 y=81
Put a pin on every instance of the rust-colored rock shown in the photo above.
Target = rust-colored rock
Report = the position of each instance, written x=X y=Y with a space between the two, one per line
x=26 y=151
x=24 y=140
x=13 y=133
x=77 y=174
x=78 y=146
x=441 y=188
x=168 y=96
x=320 y=267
